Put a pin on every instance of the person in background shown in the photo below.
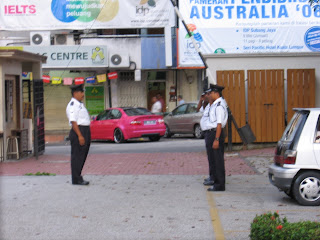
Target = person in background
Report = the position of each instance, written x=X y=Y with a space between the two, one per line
x=180 y=100
x=156 y=106
x=80 y=136
x=159 y=97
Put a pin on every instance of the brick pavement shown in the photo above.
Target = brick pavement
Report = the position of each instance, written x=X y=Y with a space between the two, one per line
x=194 y=163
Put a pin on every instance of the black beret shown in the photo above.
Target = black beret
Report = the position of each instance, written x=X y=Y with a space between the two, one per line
x=76 y=88
x=215 y=88
x=205 y=90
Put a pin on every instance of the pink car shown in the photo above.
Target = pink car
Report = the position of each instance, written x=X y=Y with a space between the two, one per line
x=121 y=124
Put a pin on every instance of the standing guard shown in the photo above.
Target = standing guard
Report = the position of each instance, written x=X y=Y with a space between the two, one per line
x=214 y=137
x=80 y=136
x=205 y=124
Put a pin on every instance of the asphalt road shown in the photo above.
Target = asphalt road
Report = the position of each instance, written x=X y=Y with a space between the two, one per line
x=177 y=144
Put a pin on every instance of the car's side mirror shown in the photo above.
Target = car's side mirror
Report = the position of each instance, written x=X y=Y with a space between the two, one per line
x=93 y=118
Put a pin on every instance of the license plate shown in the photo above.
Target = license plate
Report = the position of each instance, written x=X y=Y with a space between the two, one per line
x=150 y=122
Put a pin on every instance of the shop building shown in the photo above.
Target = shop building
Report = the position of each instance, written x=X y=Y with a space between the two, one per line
x=147 y=51
x=135 y=40
x=144 y=65
x=16 y=125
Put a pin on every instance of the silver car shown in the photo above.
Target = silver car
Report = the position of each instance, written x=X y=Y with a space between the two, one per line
x=184 y=119
x=296 y=167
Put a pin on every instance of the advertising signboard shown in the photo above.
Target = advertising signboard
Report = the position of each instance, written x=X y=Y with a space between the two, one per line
x=71 y=56
x=247 y=26
x=94 y=99
x=17 y=15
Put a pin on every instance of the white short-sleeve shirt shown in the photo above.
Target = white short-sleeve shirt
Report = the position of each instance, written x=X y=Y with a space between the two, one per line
x=205 y=122
x=219 y=113
x=156 y=107
x=77 y=112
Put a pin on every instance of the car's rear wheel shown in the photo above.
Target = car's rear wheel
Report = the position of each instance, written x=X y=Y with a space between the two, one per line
x=154 y=138
x=118 y=136
x=197 y=132
x=306 y=188
x=167 y=134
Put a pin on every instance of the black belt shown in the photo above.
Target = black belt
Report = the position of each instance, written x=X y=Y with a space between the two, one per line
x=210 y=130
x=82 y=126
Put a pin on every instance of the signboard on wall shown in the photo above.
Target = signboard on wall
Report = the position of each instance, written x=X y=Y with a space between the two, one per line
x=247 y=26
x=17 y=15
x=71 y=56
x=94 y=99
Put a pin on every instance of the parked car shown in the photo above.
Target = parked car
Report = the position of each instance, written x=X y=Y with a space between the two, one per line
x=144 y=111
x=184 y=119
x=296 y=167
x=121 y=124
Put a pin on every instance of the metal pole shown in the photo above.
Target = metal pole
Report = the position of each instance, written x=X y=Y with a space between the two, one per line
x=176 y=86
x=192 y=38
x=35 y=121
x=229 y=132
x=109 y=90
x=189 y=33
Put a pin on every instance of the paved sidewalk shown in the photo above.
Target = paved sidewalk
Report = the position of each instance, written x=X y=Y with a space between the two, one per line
x=246 y=162
x=144 y=207
x=139 y=196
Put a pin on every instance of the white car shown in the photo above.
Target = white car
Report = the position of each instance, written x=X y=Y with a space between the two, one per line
x=296 y=167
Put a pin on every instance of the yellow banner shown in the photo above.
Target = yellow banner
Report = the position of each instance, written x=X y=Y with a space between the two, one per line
x=102 y=78
x=56 y=80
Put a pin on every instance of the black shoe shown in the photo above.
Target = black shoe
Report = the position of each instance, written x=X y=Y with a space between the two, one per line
x=213 y=189
x=208 y=183
x=83 y=182
x=207 y=179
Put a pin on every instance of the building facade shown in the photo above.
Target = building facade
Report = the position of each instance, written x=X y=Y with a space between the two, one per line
x=145 y=49
x=138 y=44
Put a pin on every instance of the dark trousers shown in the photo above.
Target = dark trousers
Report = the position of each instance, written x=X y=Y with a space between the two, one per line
x=79 y=153
x=216 y=159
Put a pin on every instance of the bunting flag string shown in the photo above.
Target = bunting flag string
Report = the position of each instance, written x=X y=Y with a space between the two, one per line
x=91 y=79
x=67 y=81
x=56 y=80
x=79 y=80
x=113 y=75
x=46 y=78
x=102 y=78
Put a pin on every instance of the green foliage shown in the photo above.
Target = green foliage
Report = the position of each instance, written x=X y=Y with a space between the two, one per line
x=40 y=174
x=270 y=226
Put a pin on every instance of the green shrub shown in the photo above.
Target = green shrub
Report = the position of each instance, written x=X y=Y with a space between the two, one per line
x=270 y=226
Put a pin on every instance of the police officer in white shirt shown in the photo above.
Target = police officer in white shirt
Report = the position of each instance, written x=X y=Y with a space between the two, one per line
x=216 y=117
x=204 y=105
x=203 y=101
x=80 y=136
